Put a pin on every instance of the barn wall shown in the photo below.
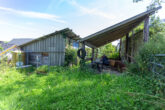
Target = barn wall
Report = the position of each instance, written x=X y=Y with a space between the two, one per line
x=54 y=46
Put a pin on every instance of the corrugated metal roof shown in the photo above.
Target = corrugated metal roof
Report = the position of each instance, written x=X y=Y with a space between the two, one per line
x=68 y=32
x=116 y=31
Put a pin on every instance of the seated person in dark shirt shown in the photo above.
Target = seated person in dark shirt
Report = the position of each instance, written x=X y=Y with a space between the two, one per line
x=105 y=60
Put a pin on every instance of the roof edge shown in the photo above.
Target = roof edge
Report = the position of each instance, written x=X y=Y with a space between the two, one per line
x=149 y=12
x=45 y=36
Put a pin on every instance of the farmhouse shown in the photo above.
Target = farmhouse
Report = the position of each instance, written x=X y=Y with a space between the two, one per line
x=49 y=49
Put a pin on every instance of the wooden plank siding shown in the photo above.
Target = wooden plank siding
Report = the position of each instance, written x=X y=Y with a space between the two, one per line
x=53 y=45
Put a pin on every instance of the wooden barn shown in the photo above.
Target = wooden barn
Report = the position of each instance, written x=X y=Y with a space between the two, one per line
x=49 y=49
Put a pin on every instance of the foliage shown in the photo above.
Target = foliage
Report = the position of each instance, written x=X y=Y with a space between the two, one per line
x=89 y=52
x=109 y=50
x=115 y=55
x=143 y=65
x=3 y=63
x=83 y=64
x=1 y=48
x=146 y=54
x=153 y=3
x=70 y=56
x=69 y=88
x=42 y=69
x=156 y=26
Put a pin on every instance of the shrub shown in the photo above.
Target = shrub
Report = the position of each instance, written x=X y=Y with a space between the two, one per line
x=27 y=70
x=4 y=63
x=1 y=48
x=109 y=50
x=143 y=64
x=42 y=69
x=70 y=56
x=146 y=55
x=115 y=55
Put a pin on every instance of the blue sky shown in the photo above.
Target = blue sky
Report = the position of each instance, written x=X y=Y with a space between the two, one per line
x=34 y=18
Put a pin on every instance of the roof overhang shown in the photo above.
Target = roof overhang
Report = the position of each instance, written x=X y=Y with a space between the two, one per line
x=116 y=31
x=66 y=32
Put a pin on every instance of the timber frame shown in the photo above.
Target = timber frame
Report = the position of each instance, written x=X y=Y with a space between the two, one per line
x=118 y=31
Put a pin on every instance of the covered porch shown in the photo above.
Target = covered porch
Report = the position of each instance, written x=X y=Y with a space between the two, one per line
x=116 y=32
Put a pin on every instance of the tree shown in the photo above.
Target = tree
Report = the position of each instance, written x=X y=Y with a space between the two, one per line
x=153 y=4
x=70 y=56
x=156 y=26
x=88 y=52
x=109 y=50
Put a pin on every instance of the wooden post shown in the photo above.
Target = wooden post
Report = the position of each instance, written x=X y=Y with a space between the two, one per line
x=93 y=53
x=83 y=45
x=146 y=29
x=120 y=49
x=127 y=44
x=27 y=58
x=96 y=53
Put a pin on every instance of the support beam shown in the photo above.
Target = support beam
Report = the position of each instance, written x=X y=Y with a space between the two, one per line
x=120 y=49
x=93 y=54
x=127 y=44
x=97 y=53
x=90 y=45
x=83 y=45
x=146 y=29
x=27 y=58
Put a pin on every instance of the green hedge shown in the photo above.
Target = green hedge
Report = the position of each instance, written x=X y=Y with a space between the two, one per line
x=70 y=56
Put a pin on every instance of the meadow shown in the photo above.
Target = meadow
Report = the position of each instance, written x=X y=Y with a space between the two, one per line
x=64 y=88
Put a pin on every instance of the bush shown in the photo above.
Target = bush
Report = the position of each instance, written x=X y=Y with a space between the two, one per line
x=4 y=63
x=115 y=55
x=109 y=50
x=70 y=56
x=27 y=70
x=143 y=64
x=42 y=69
x=1 y=48
x=146 y=55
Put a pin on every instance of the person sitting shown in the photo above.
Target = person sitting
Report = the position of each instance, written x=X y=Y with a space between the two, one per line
x=105 y=60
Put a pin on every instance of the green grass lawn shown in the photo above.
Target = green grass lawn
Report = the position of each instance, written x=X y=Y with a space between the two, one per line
x=69 y=88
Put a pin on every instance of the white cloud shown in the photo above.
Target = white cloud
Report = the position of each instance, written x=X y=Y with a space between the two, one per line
x=91 y=11
x=32 y=14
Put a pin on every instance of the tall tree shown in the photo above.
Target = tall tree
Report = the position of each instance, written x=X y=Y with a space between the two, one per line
x=107 y=50
x=153 y=4
x=156 y=26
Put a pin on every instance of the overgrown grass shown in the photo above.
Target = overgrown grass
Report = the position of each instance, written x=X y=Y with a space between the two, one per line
x=69 y=88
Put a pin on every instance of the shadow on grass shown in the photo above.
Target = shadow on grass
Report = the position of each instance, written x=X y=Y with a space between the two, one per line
x=27 y=71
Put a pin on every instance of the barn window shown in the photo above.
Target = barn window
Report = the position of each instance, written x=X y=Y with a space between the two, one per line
x=45 y=54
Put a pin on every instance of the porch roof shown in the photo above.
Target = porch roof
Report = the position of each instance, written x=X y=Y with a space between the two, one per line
x=116 y=31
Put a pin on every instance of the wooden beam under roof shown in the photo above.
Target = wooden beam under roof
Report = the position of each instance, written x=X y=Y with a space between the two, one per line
x=109 y=34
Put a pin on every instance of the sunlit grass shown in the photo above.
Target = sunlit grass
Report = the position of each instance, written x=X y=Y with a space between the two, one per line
x=69 y=88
